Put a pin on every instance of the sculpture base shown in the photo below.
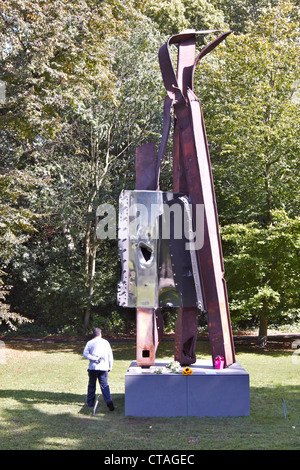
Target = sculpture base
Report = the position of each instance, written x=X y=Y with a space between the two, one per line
x=207 y=392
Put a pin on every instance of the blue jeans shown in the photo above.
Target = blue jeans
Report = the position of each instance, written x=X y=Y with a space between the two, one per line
x=102 y=376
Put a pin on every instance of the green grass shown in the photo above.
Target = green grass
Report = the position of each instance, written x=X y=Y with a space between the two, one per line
x=42 y=396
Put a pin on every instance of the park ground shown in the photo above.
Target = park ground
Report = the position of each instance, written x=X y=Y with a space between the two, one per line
x=42 y=400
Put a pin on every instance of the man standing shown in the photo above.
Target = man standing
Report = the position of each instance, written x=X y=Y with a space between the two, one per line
x=100 y=355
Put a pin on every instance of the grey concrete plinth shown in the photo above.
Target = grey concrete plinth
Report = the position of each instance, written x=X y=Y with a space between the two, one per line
x=207 y=392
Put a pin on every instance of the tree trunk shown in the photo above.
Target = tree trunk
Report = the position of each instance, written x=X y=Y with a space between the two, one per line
x=90 y=274
x=91 y=243
x=68 y=237
x=263 y=331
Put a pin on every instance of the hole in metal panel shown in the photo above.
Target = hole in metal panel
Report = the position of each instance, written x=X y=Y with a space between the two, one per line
x=146 y=252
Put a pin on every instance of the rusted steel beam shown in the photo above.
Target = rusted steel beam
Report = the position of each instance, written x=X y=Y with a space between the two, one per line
x=186 y=328
x=192 y=182
x=186 y=335
x=149 y=324
x=192 y=173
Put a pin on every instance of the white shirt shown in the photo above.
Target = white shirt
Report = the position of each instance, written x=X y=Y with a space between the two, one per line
x=99 y=353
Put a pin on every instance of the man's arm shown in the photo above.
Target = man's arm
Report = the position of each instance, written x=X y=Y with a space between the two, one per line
x=87 y=355
x=110 y=358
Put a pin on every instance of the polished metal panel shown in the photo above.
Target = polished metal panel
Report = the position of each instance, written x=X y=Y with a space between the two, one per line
x=157 y=268
x=138 y=239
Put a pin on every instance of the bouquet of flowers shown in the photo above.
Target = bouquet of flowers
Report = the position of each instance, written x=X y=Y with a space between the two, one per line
x=172 y=367
x=160 y=370
x=187 y=371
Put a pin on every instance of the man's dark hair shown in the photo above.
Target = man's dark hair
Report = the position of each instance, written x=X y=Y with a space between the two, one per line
x=97 y=332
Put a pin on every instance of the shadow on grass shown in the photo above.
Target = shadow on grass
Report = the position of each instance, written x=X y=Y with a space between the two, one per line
x=126 y=349
x=40 y=420
x=47 y=347
x=122 y=349
x=32 y=397
x=50 y=420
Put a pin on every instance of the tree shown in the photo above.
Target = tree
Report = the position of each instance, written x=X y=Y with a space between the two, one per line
x=83 y=90
x=53 y=59
x=17 y=223
x=249 y=92
x=81 y=143
x=238 y=13
x=174 y=16
x=263 y=267
x=263 y=271
x=54 y=55
x=248 y=88
x=132 y=119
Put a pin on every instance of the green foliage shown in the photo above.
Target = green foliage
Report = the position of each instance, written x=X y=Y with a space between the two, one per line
x=54 y=269
x=248 y=88
x=263 y=270
x=17 y=220
x=175 y=16
x=238 y=13
x=17 y=224
x=83 y=90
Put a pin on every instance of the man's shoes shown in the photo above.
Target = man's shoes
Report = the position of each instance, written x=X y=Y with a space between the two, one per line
x=110 y=406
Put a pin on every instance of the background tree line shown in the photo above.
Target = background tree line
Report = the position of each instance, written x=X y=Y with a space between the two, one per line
x=82 y=90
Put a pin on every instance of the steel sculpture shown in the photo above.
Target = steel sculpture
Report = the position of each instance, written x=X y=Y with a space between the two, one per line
x=157 y=270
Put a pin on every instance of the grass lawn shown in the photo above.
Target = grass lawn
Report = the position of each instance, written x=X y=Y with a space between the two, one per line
x=43 y=388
